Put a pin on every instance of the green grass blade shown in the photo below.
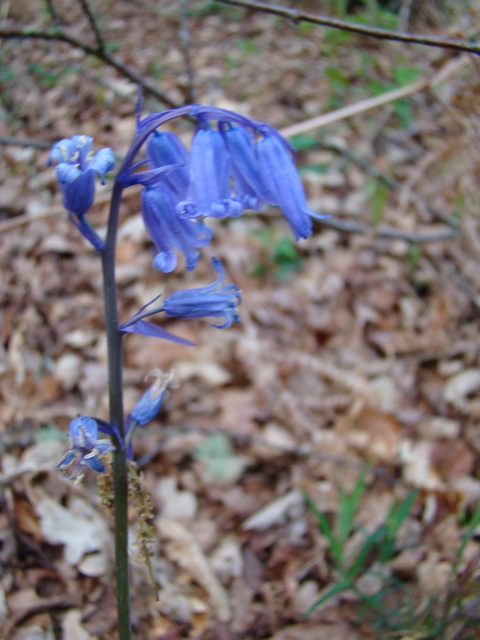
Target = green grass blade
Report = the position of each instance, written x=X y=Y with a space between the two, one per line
x=335 y=545
x=335 y=590
x=474 y=523
x=349 y=505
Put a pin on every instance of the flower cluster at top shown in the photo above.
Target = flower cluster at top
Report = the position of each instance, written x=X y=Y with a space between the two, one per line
x=234 y=163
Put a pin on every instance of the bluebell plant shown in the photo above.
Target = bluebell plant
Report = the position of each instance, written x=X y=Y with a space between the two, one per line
x=234 y=163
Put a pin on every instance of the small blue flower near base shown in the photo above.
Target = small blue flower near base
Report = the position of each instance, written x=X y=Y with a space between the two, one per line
x=215 y=300
x=150 y=403
x=85 y=448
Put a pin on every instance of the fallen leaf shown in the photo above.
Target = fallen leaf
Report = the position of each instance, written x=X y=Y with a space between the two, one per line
x=80 y=528
x=183 y=549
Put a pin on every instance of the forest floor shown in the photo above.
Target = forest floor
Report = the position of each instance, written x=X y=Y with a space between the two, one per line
x=320 y=458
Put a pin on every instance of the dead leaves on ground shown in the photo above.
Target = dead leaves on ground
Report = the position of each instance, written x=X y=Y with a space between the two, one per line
x=368 y=353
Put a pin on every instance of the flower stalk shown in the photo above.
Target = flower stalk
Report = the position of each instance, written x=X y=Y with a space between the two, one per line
x=235 y=163
x=115 y=390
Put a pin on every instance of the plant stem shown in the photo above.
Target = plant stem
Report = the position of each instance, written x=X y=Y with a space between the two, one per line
x=115 y=386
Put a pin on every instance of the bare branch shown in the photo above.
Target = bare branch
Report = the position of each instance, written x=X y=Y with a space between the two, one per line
x=357 y=108
x=93 y=24
x=374 y=171
x=57 y=33
x=347 y=226
x=25 y=142
x=345 y=25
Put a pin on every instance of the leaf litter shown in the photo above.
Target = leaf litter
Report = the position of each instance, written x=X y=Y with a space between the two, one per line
x=366 y=352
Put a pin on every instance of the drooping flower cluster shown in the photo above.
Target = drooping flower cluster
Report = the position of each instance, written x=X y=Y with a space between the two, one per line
x=234 y=164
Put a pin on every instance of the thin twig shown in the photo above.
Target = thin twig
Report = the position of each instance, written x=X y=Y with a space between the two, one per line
x=348 y=226
x=373 y=32
x=185 y=44
x=60 y=35
x=102 y=198
x=389 y=181
x=25 y=142
x=93 y=24
x=327 y=119
x=53 y=12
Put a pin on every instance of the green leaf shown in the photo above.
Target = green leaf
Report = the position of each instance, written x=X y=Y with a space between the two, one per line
x=303 y=142
x=377 y=193
x=349 y=504
x=474 y=523
x=404 y=74
x=49 y=433
x=336 y=546
x=218 y=458
x=111 y=46
x=335 y=590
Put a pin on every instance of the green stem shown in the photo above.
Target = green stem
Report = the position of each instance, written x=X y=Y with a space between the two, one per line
x=115 y=386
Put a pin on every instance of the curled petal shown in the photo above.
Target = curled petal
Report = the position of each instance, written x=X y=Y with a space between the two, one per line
x=67 y=459
x=103 y=162
x=93 y=462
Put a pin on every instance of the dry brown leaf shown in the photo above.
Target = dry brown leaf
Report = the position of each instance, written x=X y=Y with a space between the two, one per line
x=291 y=505
x=81 y=529
x=335 y=631
x=72 y=626
x=183 y=549
x=374 y=433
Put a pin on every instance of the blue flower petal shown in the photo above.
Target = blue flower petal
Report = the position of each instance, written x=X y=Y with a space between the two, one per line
x=93 y=461
x=150 y=403
x=83 y=431
x=249 y=186
x=208 y=192
x=280 y=177
x=145 y=328
x=166 y=148
x=171 y=232
x=214 y=300
x=67 y=460
x=103 y=162
x=76 y=171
